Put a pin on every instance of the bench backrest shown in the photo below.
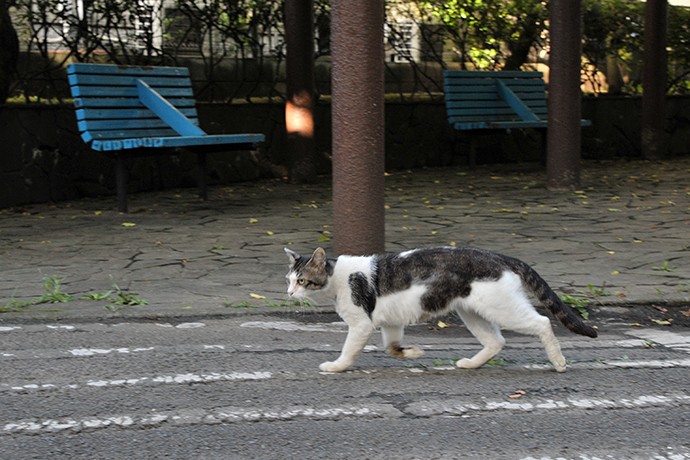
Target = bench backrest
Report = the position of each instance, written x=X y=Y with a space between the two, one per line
x=109 y=107
x=480 y=96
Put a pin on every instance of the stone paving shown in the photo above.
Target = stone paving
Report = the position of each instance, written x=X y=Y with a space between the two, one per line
x=622 y=239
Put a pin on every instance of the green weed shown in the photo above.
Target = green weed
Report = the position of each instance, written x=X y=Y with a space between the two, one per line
x=243 y=304
x=97 y=296
x=664 y=267
x=497 y=362
x=578 y=303
x=53 y=287
x=124 y=298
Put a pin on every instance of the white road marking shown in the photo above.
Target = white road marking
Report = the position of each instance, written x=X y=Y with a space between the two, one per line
x=190 y=325
x=293 y=326
x=131 y=381
x=662 y=337
x=105 y=351
x=670 y=455
x=463 y=408
x=431 y=408
x=197 y=416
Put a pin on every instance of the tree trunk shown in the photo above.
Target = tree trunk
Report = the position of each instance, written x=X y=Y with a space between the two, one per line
x=9 y=51
x=299 y=107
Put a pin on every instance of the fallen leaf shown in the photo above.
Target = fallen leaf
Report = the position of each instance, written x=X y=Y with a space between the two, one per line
x=662 y=322
x=253 y=220
x=685 y=313
x=129 y=224
x=518 y=394
x=253 y=295
x=442 y=325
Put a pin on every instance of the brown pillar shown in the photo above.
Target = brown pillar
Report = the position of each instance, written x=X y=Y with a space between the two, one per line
x=358 y=125
x=299 y=107
x=654 y=80
x=563 y=135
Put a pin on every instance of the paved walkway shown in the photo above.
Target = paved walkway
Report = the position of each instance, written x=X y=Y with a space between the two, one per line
x=622 y=239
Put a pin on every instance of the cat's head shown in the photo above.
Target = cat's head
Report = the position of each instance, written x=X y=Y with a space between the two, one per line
x=308 y=275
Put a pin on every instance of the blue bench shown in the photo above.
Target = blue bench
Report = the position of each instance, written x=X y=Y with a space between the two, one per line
x=127 y=111
x=482 y=100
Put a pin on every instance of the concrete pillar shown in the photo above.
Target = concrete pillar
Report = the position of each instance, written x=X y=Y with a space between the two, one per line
x=299 y=107
x=563 y=136
x=358 y=125
x=654 y=80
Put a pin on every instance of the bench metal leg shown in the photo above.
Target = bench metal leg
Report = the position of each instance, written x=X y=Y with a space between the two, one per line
x=121 y=183
x=203 y=189
x=472 y=159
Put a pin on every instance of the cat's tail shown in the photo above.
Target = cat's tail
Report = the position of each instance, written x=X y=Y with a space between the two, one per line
x=550 y=300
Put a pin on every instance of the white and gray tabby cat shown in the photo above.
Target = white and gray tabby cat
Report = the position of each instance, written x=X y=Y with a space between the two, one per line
x=390 y=291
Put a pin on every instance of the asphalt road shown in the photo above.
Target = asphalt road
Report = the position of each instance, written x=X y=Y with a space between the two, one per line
x=249 y=387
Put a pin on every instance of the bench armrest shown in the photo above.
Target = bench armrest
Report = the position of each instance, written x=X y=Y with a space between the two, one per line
x=515 y=103
x=166 y=111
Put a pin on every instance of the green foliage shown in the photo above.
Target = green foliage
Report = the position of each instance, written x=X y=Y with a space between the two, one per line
x=578 y=303
x=53 y=287
x=488 y=34
x=124 y=298
x=664 y=267
x=498 y=362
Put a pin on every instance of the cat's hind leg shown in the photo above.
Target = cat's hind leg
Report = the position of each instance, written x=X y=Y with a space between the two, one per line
x=541 y=327
x=488 y=334
x=524 y=319
x=392 y=338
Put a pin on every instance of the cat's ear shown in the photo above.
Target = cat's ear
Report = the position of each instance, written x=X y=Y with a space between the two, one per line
x=293 y=256
x=319 y=258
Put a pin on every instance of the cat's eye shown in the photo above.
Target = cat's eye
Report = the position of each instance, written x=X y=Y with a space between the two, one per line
x=301 y=281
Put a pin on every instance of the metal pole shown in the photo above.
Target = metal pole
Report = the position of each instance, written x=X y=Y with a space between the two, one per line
x=563 y=135
x=358 y=125
x=654 y=80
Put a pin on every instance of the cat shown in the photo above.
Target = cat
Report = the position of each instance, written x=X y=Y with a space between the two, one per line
x=390 y=291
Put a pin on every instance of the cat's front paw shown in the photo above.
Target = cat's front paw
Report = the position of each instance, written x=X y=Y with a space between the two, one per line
x=332 y=366
x=466 y=363
x=412 y=352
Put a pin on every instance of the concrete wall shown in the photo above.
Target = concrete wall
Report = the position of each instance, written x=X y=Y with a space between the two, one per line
x=43 y=158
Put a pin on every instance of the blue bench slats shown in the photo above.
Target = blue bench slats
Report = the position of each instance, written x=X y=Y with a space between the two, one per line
x=112 y=145
x=101 y=135
x=124 y=79
x=482 y=97
x=130 y=109
x=138 y=71
x=105 y=102
x=482 y=100
x=124 y=125
x=127 y=92
x=124 y=113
